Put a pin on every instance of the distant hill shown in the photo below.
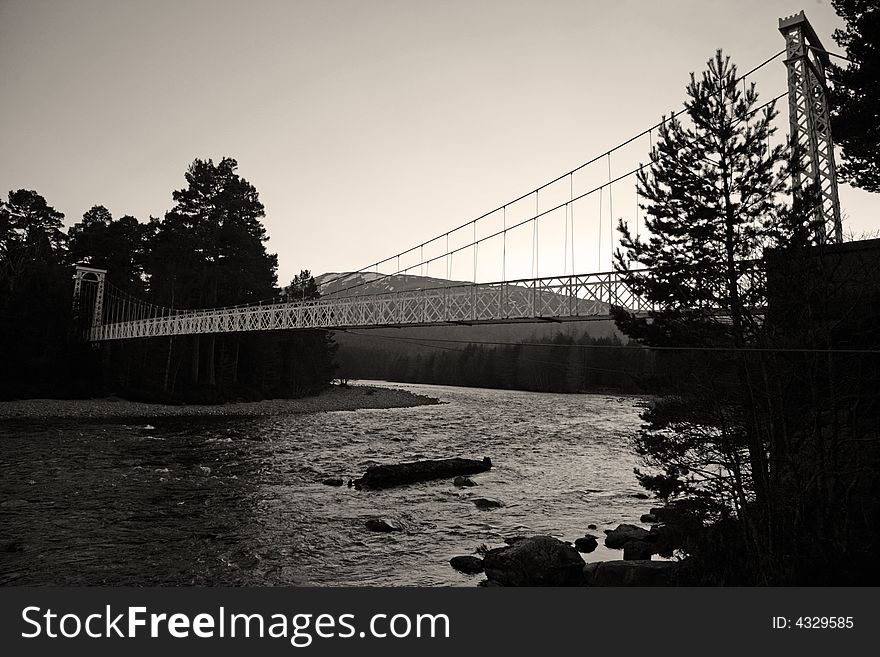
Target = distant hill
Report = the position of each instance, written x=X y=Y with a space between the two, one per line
x=357 y=283
x=403 y=353
x=363 y=283
x=518 y=296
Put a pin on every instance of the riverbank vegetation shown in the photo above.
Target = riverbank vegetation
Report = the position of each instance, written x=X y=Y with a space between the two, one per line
x=769 y=435
x=209 y=250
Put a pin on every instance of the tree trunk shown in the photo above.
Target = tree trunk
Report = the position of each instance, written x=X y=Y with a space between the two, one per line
x=210 y=369
x=755 y=445
x=235 y=362
x=168 y=362
x=194 y=372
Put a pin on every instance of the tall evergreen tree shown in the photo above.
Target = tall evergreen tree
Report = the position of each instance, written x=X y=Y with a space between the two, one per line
x=712 y=202
x=214 y=234
x=209 y=251
x=30 y=234
x=855 y=96
x=34 y=295
x=119 y=246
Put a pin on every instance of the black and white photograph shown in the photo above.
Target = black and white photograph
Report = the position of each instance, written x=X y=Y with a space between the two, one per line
x=422 y=294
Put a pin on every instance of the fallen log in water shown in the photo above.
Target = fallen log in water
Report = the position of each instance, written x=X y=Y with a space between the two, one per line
x=400 y=474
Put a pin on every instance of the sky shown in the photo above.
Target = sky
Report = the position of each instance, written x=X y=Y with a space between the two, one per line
x=369 y=126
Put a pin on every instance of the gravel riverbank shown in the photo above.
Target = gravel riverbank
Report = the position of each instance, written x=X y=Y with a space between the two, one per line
x=336 y=398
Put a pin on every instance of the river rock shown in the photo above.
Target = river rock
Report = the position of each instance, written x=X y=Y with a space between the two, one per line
x=485 y=503
x=591 y=526
x=467 y=564
x=400 y=474
x=617 y=538
x=380 y=525
x=463 y=482
x=535 y=561
x=648 y=518
x=590 y=572
x=332 y=481
x=586 y=544
x=637 y=550
x=630 y=573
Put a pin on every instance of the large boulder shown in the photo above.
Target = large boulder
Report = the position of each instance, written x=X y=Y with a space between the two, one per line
x=590 y=572
x=467 y=564
x=630 y=573
x=535 y=561
x=623 y=534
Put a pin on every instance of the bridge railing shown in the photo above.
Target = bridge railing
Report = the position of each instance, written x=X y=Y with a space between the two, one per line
x=583 y=296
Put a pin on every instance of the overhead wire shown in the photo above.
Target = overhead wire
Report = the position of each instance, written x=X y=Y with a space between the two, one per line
x=452 y=252
x=647 y=131
x=503 y=208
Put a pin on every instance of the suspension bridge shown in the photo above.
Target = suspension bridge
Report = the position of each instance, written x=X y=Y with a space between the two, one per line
x=113 y=315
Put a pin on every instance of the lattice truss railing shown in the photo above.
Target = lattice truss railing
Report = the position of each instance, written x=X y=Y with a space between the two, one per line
x=587 y=296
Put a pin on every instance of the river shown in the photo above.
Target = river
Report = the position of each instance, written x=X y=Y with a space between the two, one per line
x=238 y=501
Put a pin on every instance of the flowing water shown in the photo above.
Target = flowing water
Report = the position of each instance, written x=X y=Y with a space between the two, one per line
x=238 y=501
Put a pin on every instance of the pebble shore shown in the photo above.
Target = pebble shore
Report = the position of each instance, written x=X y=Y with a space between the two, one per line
x=336 y=398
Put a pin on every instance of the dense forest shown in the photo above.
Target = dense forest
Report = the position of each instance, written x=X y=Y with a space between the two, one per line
x=558 y=363
x=208 y=250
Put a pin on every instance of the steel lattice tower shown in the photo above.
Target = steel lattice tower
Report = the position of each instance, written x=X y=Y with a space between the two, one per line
x=810 y=121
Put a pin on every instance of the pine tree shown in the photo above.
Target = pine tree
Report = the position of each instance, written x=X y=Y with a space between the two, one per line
x=215 y=234
x=855 y=93
x=302 y=287
x=711 y=203
x=712 y=194
x=117 y=245
x=209 y=251
x=34 y=296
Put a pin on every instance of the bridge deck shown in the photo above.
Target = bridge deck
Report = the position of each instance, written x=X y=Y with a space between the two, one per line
x=566 y=298
x=587 y=296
